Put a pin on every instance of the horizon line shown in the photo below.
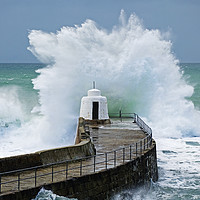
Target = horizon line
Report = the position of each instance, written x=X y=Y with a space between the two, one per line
x=47 y=64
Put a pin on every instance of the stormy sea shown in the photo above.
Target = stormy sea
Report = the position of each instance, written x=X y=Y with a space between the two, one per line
x=137 y=71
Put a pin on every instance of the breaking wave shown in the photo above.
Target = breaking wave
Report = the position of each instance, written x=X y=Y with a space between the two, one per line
x=133 y=66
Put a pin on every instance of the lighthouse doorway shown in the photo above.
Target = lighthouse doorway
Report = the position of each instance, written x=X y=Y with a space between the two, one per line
x=95 y=110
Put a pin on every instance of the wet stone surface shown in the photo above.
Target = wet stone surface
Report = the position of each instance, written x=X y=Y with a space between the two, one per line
x=106 y=138
x=115 y=135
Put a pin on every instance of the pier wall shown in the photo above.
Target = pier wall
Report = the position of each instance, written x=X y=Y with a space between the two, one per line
x=83 y=148
x=103 y=184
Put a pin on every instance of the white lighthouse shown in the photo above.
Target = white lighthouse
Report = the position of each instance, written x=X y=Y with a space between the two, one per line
x=94 y=106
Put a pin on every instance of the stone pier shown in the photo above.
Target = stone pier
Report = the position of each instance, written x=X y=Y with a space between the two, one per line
x=119 y=163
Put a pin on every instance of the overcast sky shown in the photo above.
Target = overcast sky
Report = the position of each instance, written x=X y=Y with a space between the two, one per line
x=17 y=17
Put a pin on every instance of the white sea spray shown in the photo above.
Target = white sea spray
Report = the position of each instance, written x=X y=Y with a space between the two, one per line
x=133 y=66
x=49 y=195
x=11 y=108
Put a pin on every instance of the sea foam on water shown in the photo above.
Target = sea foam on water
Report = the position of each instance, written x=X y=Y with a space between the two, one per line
x=133 y=66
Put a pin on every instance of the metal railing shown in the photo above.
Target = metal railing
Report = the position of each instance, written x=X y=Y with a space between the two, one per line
x=31 y=177
x=136 y=119
x=121 y=115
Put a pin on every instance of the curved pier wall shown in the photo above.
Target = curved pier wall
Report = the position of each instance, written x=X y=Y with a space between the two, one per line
x=84 y=147
x=104 y=184
x=19 y=162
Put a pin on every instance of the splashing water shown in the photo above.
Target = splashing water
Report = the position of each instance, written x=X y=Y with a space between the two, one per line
x=133 y=66
x=48 y=195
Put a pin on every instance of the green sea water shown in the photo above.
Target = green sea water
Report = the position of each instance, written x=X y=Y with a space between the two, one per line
x=178 y=162
x=20 y=76
x=192 y=75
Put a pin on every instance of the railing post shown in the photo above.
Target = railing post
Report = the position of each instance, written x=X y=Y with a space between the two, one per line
x=18 y=182
x=140 y=147
x=147 y=142
x=144 y=143
x=136 y=149
x=130 y=152
x=115 y=158
x=120 y=114
x=106 y=160
x=135 y=117
x=94 y=163
x=66 y=170
x=0 y=183
x=81 y=164
x=35 y=177
x=123 y=155
x=52 y=173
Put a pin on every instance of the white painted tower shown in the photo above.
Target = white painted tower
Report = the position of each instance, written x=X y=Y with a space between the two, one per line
x=94 y=106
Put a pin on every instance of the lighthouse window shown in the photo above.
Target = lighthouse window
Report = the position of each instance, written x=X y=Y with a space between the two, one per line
x=95 y=110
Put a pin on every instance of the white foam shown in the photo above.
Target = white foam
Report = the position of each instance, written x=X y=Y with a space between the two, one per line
x=11 y=107
x=133 y=66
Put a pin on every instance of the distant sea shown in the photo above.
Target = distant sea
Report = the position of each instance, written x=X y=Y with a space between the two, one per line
x=178 y=157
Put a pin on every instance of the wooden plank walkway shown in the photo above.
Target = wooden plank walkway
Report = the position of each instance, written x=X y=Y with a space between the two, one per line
x=118 y=135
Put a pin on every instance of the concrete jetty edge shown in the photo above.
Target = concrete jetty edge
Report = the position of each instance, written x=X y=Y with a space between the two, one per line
x=103 y=184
